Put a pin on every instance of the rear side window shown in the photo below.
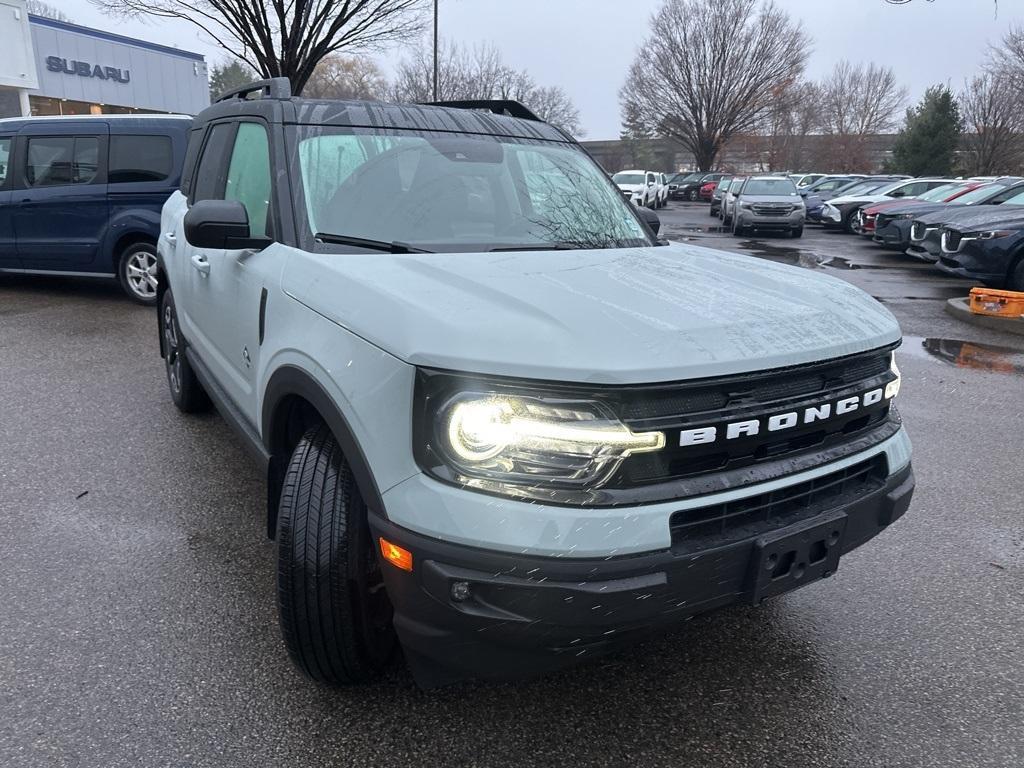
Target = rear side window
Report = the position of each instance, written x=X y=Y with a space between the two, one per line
x=139 y=158
x=210 y=174
x=5 y=158
x=61 y=160
x=248 y=179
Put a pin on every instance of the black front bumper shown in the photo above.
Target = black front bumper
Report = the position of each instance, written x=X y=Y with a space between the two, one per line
x=893 y=234
x=527 y=615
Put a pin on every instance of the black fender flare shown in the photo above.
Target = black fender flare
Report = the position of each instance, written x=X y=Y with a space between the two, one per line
x=288 y=381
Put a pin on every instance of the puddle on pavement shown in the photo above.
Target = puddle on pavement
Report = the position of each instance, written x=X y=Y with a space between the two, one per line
x=969 y=354
x=783 y=254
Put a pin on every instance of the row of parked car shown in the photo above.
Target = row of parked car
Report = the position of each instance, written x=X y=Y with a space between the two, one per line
x=972 y=228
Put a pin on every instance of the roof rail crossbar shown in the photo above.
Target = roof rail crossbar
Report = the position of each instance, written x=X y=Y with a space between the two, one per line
x=274 y=88
x=497 y=106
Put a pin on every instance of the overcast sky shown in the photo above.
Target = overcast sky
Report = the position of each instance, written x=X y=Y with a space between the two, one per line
x=586 y=46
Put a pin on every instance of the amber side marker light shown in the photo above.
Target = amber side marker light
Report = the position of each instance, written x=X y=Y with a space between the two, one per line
x=394 y=554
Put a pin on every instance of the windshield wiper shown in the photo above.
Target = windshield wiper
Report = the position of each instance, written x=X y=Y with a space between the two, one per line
x=362 y=242
x=540 y=247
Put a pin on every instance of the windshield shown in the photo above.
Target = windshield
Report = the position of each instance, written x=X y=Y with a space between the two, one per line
x=736 y=185
x=977 y=195
x=770 y=187
x=1015 y=200
x=452 y=192
x=863 y=188
x=628 y=178
x=939 y=194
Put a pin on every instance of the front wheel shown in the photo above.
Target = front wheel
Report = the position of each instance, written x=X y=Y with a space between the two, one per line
x=692 y=195
x=136 y=269
x=797 y=232
x=186 y=391
x=1016 y=281
x=335 y=615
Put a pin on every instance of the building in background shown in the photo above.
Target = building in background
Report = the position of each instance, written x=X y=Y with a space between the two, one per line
x=54 y=68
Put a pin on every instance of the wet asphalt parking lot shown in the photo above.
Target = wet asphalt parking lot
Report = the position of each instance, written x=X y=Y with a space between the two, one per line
x=139 y=628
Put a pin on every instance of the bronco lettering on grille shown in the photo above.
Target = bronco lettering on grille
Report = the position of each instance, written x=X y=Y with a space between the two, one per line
x=780 y=421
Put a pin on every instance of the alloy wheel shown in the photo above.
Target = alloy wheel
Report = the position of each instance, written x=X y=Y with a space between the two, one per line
x=140 y=271
x=172 y=349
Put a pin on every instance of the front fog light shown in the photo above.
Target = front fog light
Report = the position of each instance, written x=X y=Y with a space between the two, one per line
x=527 y=440
x=893 y=387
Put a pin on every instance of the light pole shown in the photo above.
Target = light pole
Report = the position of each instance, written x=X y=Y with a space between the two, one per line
x=435 y=50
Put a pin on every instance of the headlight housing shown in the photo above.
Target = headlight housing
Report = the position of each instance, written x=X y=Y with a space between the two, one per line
x=995 y=234
x=520 y=441
x=892 y=389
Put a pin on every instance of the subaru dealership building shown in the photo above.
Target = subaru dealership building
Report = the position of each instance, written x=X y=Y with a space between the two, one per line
x=50 y=67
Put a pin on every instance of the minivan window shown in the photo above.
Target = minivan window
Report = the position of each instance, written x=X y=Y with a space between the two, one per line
x=210 y=175
x=459 y=192
x=5 y=158
x=248 y=179
x=139 y=158
x=60 y=160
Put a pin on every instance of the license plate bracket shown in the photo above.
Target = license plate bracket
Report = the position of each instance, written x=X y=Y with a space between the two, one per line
x=800 y=555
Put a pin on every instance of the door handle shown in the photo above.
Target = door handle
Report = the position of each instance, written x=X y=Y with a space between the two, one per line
x=169 y=237
x=201 y=264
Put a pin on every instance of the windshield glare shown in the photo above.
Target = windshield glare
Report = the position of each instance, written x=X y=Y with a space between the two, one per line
x=981 y=193
x=939 y=194
x=770 y=187
x=451 y=192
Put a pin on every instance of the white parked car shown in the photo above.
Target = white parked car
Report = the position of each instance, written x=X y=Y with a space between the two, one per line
x=639 y=187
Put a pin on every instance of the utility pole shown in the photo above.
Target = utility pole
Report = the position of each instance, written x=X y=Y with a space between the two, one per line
x=435 y=50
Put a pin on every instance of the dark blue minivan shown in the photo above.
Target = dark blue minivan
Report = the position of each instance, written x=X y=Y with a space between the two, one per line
x=82 y=195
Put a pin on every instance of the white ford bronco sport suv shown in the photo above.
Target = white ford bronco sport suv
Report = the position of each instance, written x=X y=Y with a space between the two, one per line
x=503 y=428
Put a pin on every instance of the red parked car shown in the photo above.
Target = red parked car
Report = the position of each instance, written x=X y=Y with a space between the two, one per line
x=947 y=193
x=707 y=189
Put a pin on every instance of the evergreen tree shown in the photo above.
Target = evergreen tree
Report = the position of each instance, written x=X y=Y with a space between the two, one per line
x=927 y=144
x=228 y=76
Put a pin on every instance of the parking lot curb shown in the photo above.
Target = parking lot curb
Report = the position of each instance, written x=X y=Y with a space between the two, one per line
x=960 y=309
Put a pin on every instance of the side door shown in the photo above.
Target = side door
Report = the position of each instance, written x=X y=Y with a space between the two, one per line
x=60 y=214
x=228 y=284
x=8 y=251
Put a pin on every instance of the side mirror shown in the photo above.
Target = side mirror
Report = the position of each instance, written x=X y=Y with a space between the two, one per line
x=221 y=225
x=650 y=218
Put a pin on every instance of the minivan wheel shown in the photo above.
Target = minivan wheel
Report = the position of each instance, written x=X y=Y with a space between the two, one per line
x=137 y=272
x=335 y=615
x=186 y=391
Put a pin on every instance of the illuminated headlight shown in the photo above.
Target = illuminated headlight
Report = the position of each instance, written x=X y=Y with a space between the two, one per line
x=893 y=387
x=511 y=439
x=520 y=440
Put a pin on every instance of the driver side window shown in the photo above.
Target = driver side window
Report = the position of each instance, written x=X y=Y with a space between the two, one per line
x=248 y=178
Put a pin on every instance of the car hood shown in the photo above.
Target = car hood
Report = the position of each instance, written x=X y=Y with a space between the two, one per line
x=964 y=217
x=859 y=199
x=996 y=219
x=630 y=187
x=605 y=316
x=895 y=207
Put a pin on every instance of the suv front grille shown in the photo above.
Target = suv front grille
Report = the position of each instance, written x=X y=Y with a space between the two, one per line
x=918 y=231
x=951 y=240
x=674 y=409
x=772 y=209
x=734 y=520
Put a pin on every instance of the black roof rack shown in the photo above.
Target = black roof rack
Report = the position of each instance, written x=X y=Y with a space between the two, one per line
x=274 y=88
x=497 y=106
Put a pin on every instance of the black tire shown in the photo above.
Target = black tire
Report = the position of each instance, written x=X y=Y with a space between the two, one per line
x=848 y=222
x=797 y=232
x=737 y=230
x=186 y=391
x=136 y=270
x=692 y=195
x=335 y=615
x=1015 y=281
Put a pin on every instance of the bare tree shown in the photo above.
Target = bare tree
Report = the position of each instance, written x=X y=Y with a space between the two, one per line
x=346 y=77
x=858 y=102
x=794 y=116
x=286 y=38
x=993 y=112
x=39 y=8
x=1007 y=58
x=718 y=66
x=481 y=73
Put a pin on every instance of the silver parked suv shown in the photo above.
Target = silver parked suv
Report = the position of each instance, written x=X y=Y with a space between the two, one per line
x=501 y=425
x=769 y=203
